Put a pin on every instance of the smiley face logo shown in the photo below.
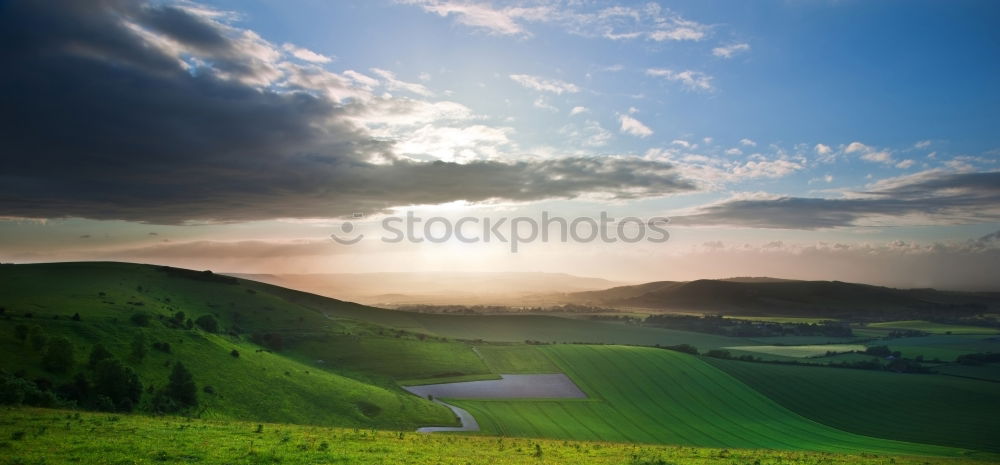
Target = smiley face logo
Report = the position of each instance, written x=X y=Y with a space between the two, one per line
x=347 y=228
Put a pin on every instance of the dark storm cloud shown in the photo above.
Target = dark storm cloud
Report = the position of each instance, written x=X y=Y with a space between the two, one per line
x=931 y=197
x=164 y=114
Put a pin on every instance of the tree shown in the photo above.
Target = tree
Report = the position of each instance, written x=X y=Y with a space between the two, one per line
x=98 y=353
x=58 y=357
x=138 y=347
x=181 y=387
x=207 y=323
x=118 y=383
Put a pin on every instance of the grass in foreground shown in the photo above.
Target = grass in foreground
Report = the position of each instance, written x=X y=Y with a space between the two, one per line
x=35 y=436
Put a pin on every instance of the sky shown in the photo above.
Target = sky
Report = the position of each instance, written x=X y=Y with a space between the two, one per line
x=837 y=140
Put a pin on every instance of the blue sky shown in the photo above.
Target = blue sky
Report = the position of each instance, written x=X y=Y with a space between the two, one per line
x=797 y=133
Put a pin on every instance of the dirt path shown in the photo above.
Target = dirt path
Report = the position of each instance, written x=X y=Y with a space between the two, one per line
x=468 y=421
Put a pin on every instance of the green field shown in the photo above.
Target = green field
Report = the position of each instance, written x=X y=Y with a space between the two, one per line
x=52 y=437
x=932 y=409
x=990 y=372
x=658 y=396
x=801 y=351
x=517 y=359
x=401 y=358
x=782 y=319
x=933 y=328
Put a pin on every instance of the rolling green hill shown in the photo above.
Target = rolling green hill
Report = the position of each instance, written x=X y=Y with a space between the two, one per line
x=931 y=409
x=258 y=384
x=658 y=396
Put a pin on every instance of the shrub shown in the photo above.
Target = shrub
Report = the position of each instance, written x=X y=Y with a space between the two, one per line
x=162 y=346
x=97 y=354
x=235 y=353
x=58 y=357
x=207 y=323
x=140 y=319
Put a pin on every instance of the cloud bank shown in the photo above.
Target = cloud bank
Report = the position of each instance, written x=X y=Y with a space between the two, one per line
x=168 y=113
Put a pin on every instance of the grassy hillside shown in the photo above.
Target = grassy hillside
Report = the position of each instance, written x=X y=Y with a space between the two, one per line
x=59 y=437
x=658 y=396
x=930 y=409
x=258 y=384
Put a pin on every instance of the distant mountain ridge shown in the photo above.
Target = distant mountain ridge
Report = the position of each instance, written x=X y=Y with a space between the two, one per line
x=463 y=288
x=770 y=296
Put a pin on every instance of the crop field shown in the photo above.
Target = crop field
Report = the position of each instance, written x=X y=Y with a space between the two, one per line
x=658 y=396
x=782 y=319
x=801 y=351
x=516 y=359
x=397 y=358
x=933 y=409
x=53 y=437
x=989 y=372
x=933 y=328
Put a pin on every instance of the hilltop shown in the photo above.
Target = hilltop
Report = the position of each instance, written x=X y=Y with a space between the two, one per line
x=769 y=296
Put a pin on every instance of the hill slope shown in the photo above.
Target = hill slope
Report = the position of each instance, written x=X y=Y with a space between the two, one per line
x=761 y=296
x=258 y=384
x=660 y=396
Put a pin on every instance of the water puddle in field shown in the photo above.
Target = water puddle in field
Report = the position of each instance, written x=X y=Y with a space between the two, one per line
x=555 y=386
x=547 y=386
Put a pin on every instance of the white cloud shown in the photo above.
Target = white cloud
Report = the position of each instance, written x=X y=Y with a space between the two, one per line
x=306 y=54
x=634 y=127
x=364 y=80
x=695 y=80
x=869 y=153
x=395 y=84
x=823 y=149
x=727 y=51
x=616 y=22
x=682 y=143
x=734 y=151
x=905 y=164
x=748 y=142
x=481 y=15
x=578 y=110
x=461 y=144
x=540 y=102
x=856 y=147
x=591 y=135
x=545 y=85
x=922 y=144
